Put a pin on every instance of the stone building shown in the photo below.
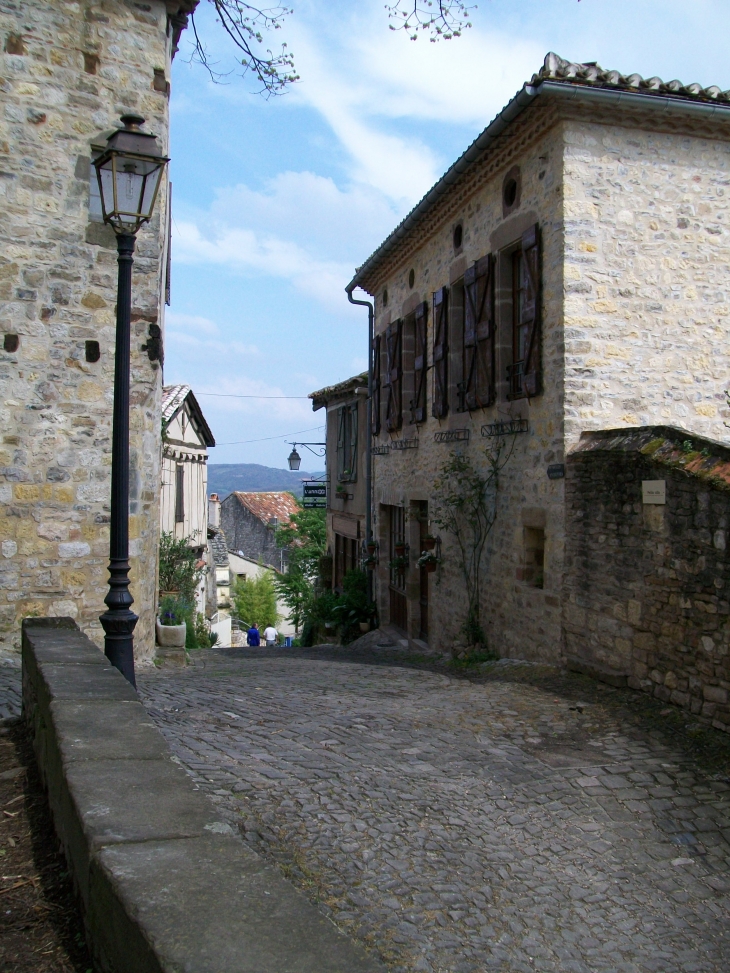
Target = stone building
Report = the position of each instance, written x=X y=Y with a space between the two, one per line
x=186 y=439
x=249 y=521
x=567 y=274
x=69 y=70
x=346 y=439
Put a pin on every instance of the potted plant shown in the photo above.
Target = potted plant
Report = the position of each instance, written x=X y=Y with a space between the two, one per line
x=364 y=627
x=171 y=627
x=399 y=548
x=428 y=561
x=399 y=564
x=371 y=547
x=341 y=491
x=429 y=542
x=369 y=562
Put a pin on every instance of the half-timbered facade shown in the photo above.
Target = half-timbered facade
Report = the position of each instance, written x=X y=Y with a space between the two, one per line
x=567 y=274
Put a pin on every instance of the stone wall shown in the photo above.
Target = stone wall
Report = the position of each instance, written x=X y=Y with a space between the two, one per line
x=68 y=70
x=647 y=586
x=246 y=532
x=647 y=263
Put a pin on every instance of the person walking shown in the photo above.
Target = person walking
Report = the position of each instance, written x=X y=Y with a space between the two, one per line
x=271 y=635
x=253 y=636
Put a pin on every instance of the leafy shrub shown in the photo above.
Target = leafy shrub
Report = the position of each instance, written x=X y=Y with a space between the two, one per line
x=178 y=571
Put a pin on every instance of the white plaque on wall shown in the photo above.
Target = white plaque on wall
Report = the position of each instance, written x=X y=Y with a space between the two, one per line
x=654 y=491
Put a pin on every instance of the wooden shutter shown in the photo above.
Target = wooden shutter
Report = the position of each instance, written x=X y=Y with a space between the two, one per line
x=375 y=402
x=479 y=332
x=532 y=372
x=179 y=494
x=353 y=442
x=341 y=465
x=440 y=353
x=394 y=376
x=420 y=369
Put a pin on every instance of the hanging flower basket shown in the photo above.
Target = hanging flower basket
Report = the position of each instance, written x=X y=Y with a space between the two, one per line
x=428 y=561
x=399 y=564
x=429 y=542
x=371 y=547
x=369 y=563
x=400 y=550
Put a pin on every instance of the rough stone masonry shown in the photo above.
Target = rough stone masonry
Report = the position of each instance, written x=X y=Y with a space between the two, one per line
x=68 y=69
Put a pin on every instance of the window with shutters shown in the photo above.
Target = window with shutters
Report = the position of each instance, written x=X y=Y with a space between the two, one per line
x=440 y=406
x=375 y=404
x=347 y=443
x=393 y=380
x=179 y=493
x=478 y=386
x=420 y=363
x=524 y=374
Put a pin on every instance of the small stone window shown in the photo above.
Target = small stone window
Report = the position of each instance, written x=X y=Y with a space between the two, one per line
x=385 y=297
x=411 y=278
x=458 y=236
x=93 y=352
x=11 y=342
x=91 y=63
x=511 y=191
x=532 y=571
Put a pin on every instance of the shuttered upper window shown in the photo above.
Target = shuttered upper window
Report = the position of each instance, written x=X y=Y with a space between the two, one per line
x=179 y=493
x=347 y=443
x=420 y=364
x=525 y=374
x=479 y=335
x=393 y=380
x=375 y=404
x=440 y=406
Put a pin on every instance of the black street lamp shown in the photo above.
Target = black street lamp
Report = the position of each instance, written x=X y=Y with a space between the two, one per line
x=295 y=460
x=129 y=171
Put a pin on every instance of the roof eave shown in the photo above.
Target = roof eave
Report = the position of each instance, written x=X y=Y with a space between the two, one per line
x=571 y=91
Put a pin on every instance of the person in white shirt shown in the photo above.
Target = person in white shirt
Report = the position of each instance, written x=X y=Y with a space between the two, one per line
x=270 y=635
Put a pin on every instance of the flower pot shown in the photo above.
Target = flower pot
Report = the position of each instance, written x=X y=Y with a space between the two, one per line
x=430 y=566
x=429 y=543
x=169 y=594
x=370 y=565
x=364 y=626
x=400 y=550
x=371 y=548
x=171 y=636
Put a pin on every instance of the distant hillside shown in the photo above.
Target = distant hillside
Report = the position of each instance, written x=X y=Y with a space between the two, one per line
x=224 y=478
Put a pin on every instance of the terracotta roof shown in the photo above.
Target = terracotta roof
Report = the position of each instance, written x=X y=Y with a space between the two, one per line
x=676 y=448
x=173 y=399
x=266 y=506
x=556 y=77
x=322 y=397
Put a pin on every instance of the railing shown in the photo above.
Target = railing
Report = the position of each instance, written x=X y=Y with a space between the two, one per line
x=515 y=373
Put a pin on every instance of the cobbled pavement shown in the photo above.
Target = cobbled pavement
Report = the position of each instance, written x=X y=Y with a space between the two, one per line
x=455 y=826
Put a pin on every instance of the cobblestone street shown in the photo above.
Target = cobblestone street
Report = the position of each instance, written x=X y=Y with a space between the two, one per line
x=456 y=825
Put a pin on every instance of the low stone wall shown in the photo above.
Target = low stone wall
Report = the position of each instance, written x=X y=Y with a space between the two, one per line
x=165 y=885
x=647 y=585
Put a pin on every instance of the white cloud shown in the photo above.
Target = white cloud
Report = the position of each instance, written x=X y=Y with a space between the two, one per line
x=194 y=322
x=293 y=410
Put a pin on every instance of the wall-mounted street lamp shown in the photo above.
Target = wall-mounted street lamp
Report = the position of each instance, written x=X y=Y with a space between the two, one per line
x=295 y=460
x=129 y=171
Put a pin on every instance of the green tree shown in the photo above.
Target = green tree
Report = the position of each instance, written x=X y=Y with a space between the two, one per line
x=255 y=600
x=305 y=535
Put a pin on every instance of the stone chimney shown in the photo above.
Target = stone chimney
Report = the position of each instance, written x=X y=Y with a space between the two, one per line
x=214 y=510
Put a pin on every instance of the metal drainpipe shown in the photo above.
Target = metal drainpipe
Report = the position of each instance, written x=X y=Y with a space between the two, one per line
x=369 y=435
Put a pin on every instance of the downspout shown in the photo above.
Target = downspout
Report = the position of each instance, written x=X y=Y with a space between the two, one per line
x=369 y=435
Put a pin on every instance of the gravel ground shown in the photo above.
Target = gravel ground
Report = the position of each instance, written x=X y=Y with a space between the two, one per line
x=461 y=820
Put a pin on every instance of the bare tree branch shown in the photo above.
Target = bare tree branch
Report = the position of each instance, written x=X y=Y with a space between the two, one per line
x=441 y=19
x=246 y=26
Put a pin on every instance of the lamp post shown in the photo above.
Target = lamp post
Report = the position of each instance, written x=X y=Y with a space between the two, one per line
x=129 y=171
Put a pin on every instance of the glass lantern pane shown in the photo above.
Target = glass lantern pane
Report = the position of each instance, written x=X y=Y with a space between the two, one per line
x=130 y=184
x=150 y=190
x=107 y=188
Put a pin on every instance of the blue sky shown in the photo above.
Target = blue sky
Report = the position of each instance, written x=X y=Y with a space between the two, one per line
x=276 y=202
